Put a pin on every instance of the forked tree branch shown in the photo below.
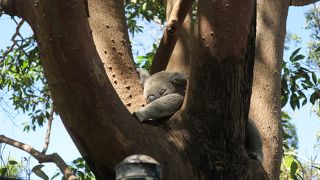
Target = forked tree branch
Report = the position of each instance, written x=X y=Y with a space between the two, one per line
x=170 y=35
x=42 y=158
x=302 y=2
x=48 y=132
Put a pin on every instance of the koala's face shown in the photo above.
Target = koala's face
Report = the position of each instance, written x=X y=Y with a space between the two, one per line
x=163 y=83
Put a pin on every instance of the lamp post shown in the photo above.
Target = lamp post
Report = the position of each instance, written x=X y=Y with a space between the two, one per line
x=138 y=167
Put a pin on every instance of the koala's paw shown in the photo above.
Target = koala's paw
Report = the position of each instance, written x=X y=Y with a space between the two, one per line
x=138 y=116
x=256 y=156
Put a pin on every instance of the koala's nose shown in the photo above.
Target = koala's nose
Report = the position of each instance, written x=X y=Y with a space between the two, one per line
x=151 y=98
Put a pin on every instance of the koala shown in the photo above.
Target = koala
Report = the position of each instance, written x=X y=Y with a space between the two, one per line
x=164 y=93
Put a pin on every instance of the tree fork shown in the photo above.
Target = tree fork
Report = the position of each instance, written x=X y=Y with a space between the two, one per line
x=93 y=114
x=99 y=123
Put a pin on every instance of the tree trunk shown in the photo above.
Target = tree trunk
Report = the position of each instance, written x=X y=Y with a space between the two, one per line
x=265 y=107
x=218 y=97
x=205 y=140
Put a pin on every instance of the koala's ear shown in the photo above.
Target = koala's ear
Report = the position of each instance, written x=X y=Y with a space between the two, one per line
x=179 y=78
x=143 y=75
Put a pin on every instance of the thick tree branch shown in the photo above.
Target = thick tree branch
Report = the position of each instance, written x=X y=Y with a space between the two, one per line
x=55 y=158
x=170 y=35
x=113 y=45
x=16 y=7
x=48 y=132
x=302 y=2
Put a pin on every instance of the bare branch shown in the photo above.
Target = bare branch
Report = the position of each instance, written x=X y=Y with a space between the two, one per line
x=55 y=158
x=302 y=2
x=170 y=35
x=13 y=39
x=48 y=132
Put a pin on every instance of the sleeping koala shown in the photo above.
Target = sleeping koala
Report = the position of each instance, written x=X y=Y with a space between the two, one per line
x=164 y=92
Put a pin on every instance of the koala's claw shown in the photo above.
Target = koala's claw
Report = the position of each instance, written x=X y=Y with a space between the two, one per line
x=137 y=116
x=256 y=156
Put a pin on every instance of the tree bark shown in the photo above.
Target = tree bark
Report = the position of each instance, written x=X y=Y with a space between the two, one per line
x=203 y=141
x=176 y=12
x=302 y=2
x=99 y=124
x=265 y=107
x=218 y=97
x=181 y=55
x=115 y=53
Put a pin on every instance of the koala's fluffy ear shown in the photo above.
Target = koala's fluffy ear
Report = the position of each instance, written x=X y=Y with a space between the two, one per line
x=143 y=75
x=179 y=78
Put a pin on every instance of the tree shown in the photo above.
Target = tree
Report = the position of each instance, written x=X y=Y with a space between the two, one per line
x=85 y=52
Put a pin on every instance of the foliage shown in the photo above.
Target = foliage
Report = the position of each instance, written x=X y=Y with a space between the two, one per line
x=81 y=170
x=145 y=61
x=11 y=169
x=290 y=138
x=289 y=168
x=22 y=81
x=144 y=10
x=313 y=24
x=297 y=80
x=294 y=38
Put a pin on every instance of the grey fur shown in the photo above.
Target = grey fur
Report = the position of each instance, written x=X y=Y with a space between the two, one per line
x=164 y=92
x=143 y=75
x=254 y=142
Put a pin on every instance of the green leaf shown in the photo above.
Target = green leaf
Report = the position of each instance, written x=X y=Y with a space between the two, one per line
x=294 y=54
x=55 y=176
x=37 y=171
x=37 y=167
x=293 y=169
x=298 y=57
x=288 y=161
x=313 y=97
x=13 y=162
x=3 y=171
x=314 y=78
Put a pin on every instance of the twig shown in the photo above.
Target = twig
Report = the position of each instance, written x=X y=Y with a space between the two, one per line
x=13 y=39
x=170 y=35
x=302 y=2
x=42 y=158
x=48 y=132
x=302 y=158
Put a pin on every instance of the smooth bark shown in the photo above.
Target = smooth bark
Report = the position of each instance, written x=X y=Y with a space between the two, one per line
x=178 y=10
x=181 y=55
x=265 y=107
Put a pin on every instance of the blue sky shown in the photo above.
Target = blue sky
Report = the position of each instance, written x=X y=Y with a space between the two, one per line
x=306 y=121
